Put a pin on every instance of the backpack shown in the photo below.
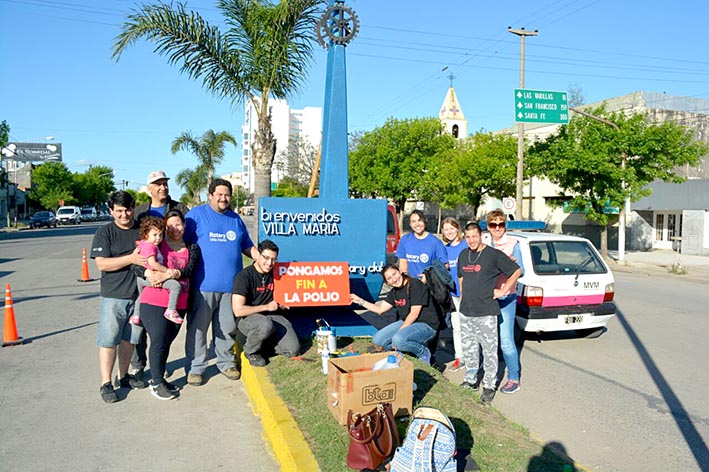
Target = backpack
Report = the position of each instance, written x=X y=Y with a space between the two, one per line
x=440 y=284
x=429 y=444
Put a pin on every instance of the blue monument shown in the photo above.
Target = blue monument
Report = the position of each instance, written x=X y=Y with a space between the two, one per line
x=332 y=227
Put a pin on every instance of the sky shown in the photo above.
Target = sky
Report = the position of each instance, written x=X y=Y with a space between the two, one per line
x=58 y=78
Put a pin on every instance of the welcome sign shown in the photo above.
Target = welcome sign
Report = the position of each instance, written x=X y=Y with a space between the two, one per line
x=311 y=284
x=330 y=230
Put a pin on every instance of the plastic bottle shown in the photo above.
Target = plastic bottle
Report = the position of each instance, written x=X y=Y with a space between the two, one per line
x=390 y=362
x=325 y=359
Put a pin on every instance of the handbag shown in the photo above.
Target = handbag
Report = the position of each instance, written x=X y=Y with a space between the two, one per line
x=373 y=437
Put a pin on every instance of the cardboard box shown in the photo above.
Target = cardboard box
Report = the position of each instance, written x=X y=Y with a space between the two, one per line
x=353 y=385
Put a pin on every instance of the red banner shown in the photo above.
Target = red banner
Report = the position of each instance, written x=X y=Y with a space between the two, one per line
x=311 y=283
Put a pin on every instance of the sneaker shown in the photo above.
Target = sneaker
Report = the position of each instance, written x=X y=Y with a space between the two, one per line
x=134 y=320
x=108 y=394
x=161 y=392
x=173 y=316
x=471 y=385
x=487 y=395
x=511 y=386
x=456 y=365
x=426 y=356
x=195 y=380
x=232 y=373
x=256 y=360
x=171 y=387
x=130 y=381
x=138 y=374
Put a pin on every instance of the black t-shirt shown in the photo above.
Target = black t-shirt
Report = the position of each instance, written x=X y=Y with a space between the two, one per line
x=112 y=241
x=480 y=271
x=256 y=287
x=414 y=293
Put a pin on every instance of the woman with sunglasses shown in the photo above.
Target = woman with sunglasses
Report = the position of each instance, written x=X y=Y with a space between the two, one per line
x=500 y=240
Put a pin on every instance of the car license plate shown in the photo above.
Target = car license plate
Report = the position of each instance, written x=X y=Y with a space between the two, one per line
x=573 y=319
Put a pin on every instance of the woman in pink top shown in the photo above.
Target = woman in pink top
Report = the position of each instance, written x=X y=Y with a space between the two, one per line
x=181 y=259
x=496 y=226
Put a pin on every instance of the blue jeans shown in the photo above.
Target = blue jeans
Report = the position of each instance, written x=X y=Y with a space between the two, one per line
x=411 y=339
x=508 y=307
x=113 y=326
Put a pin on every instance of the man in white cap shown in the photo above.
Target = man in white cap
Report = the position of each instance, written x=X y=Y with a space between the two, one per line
x=160 y=201
x=160 y=204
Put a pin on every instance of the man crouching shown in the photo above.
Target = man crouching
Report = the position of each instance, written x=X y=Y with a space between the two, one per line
x=257 y=312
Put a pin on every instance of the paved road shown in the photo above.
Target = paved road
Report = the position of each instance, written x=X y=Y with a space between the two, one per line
x=51 y=415
x=634 y=399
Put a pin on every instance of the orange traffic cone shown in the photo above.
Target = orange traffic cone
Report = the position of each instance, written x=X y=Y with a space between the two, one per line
x=85 y=269
x=9 y=336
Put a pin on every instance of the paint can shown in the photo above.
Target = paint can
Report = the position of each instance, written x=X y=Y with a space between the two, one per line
x=325 y=337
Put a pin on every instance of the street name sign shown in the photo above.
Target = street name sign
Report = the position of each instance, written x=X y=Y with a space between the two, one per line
x=541 y=106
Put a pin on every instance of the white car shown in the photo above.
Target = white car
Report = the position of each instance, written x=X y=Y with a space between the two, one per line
x=566 y=285
x=68 y=215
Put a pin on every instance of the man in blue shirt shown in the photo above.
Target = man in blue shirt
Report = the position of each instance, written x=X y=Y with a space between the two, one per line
x=222 y=237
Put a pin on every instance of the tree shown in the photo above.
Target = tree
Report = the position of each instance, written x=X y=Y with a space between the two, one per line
x=4 y=136
x=94 y=186
x=209 y=149
x=298 y=161
x=290 y=187
x=52 y=184
x=265 y=52
x=390 y=161
x=139 y=197
x=482 y=165
x=585 y=159
x=192 y=182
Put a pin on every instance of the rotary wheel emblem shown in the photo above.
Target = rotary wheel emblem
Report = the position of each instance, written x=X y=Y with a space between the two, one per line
x=339 y=25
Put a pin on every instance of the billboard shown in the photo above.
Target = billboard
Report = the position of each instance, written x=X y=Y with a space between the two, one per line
x=33 y=152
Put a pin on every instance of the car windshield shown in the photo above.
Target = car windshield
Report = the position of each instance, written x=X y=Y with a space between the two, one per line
x=565 y=257
x=65 y=211
x=41 y=214
x=86 y=212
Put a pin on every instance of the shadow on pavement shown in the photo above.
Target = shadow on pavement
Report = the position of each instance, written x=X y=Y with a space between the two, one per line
x=54 y=333
x=681 y=416
x=541 y=462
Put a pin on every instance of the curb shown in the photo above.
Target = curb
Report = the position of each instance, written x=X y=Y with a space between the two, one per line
x=280 y=429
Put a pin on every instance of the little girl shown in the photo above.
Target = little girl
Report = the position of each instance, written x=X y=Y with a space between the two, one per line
x=151 y=234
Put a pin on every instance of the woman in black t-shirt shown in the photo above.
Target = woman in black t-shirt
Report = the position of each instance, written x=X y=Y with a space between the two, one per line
x=417 y=319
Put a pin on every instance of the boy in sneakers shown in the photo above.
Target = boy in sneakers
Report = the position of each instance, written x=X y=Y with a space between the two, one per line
x=113 y=249
x=479 y=268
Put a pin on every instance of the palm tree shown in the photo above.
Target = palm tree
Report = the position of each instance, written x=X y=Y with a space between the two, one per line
x=192 y=182
x=209 y=149
x=265 y=51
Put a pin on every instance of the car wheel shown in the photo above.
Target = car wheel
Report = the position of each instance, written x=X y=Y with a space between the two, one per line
x=590 y=333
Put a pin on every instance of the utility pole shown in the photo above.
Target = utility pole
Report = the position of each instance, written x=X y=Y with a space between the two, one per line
x=522 y=33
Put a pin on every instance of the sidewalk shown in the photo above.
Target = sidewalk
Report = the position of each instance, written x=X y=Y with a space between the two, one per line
x=659 y=262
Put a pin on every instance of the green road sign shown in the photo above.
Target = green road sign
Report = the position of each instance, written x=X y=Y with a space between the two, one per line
x=541 y=106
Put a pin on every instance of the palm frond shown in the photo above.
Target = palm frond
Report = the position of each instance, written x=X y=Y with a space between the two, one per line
x=187 y=40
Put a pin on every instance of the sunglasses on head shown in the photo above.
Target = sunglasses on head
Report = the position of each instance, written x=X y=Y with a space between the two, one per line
x=496 y=225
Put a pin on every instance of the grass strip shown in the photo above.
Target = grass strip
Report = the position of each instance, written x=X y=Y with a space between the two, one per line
x=485 y=438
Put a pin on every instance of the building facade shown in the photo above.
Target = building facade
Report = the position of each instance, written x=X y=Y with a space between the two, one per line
x=288 y=126
x=653 y=224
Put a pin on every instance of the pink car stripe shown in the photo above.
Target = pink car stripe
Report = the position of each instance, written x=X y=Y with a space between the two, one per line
x=573 y=300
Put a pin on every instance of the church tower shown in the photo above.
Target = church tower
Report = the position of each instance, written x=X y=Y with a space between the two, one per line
x=451 y=114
